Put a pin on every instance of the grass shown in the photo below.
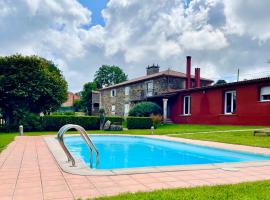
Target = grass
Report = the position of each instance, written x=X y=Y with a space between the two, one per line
x=5 y=139
x=244 y=191
x=243 y=138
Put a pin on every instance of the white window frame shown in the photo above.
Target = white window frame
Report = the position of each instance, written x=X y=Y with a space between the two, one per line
x=113 y=109
x=265 y=90
x=233 y=94
x=150 y=90
x=126 y=109
x=127 y=90
x=113 y=93
x=186 y=98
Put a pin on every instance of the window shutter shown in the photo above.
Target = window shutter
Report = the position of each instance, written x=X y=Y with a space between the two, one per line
x=265 y=90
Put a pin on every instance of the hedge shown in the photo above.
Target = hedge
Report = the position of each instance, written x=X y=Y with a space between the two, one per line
x=139 y=122
x=54 y=122
x=115 y=120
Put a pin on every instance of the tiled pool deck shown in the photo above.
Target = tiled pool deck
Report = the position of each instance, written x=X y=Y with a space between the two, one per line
x=28 y=170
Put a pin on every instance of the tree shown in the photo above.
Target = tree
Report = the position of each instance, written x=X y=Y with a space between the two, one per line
x=109 y=75
x=29 y=84
x=86 y=100
x=220 y=82
x=145 y=109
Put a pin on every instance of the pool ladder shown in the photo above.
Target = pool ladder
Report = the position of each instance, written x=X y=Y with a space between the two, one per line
x=84 y=135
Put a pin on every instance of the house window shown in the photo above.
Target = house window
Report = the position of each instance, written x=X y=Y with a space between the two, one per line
x=113 y=109
x=230 y=102
x=126 y=109
x=265 y=93
x=113 y=93
x=126 y=91
x=186 y=107
x=150 y=88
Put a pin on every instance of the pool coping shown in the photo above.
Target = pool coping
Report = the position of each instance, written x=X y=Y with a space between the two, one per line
x=82 y=169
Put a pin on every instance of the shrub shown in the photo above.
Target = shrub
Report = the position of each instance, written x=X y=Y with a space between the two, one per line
x=64 y=113
x=156 y=120
x=139 y=122
x=31 y=122
x=145 y=109
x=115 y=120
x=54 y=123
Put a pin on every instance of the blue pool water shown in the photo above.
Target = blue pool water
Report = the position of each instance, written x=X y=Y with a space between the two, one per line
x=132 y=152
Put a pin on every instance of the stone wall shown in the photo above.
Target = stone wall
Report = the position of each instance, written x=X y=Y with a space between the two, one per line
x=137 y=93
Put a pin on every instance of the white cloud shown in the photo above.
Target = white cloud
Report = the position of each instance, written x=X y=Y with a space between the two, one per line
x=248 y=17
x=221 y=35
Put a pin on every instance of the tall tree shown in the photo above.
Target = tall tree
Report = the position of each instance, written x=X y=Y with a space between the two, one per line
x=109 y=75
x=86 y=95
x=220 y=82
x=29 y=84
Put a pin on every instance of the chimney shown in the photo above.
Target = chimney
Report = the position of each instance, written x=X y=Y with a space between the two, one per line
x=152 y=69
x=197 y=77
x=188 y=73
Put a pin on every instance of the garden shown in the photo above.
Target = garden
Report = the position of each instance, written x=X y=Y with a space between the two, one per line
x=33 y=96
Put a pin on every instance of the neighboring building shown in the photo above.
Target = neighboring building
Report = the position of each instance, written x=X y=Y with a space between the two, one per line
x=239 y=103
x=119 y=98
x=71 y=98
x=95 y=103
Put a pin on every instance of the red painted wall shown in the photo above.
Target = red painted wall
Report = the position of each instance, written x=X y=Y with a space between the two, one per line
x=207 y=107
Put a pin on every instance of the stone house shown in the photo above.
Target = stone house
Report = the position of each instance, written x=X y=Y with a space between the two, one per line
x=156 y=86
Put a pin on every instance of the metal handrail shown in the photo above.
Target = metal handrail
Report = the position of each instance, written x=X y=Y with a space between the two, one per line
x=84 y=135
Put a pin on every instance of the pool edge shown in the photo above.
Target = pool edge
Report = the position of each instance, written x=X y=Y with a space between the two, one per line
x=82 y=169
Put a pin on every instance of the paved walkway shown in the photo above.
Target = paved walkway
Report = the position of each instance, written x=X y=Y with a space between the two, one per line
x=28 y=171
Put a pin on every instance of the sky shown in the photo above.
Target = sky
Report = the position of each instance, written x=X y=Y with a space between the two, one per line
x=79 y=36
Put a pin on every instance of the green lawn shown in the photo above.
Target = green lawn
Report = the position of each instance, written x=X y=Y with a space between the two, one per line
x=243 y=138
x=245 y=191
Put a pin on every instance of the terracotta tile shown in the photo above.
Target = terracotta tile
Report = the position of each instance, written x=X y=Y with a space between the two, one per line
x=57 y=195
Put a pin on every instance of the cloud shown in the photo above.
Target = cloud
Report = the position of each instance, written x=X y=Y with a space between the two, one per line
x=220 y=35
x=248 y=17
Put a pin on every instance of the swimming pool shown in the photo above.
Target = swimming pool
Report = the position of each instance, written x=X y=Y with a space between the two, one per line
x=118 y=152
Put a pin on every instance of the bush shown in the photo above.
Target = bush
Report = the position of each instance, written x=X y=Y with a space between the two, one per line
x=54 y=123
x=115 y=120
x=139 y=122
x=31 y=122
x=156 y=120
x=64 y=113
x=145 y=109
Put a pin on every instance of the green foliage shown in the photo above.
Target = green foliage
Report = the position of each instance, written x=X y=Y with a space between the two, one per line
x=31 y=122
x=109 y=75
x=115 y=120
x=54 y=123
x=64 y=113
x=78 y=105
x=220 y=82
x=139 y=122
x=145 y=109
x=29 y=84
x=86 y=100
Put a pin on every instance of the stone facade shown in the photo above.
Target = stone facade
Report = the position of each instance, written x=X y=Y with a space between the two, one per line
x=120 y=102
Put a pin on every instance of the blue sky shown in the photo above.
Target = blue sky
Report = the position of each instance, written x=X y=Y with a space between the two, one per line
x=96 y=6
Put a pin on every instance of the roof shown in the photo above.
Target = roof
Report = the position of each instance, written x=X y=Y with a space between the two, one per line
x=223 y=85
x=168 y=72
